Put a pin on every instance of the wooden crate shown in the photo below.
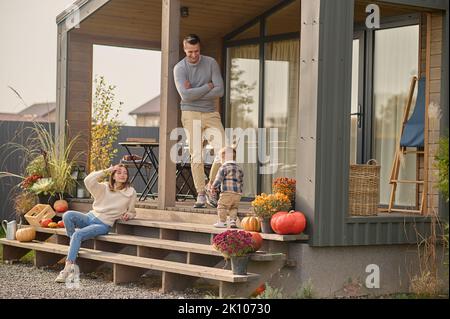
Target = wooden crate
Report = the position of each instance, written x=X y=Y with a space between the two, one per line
x=38 y=213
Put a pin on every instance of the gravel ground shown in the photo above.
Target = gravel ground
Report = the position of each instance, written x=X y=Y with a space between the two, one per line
x=24 y=281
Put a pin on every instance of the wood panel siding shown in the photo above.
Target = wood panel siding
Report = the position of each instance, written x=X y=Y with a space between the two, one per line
x=79 y=92
x=434 y=121
x=433 y=130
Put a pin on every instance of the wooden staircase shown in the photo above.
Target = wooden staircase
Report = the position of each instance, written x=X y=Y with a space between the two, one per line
x=180 y=250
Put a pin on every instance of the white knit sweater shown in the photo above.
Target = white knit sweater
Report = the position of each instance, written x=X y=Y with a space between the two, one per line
x=108 y=205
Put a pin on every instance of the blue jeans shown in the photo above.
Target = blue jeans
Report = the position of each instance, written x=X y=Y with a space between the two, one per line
x=88 y=226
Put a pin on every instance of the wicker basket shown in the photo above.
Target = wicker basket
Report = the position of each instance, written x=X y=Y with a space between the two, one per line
x=364 y=189
x=38 y=213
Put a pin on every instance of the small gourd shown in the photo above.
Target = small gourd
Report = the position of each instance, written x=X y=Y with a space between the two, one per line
x=251 y=223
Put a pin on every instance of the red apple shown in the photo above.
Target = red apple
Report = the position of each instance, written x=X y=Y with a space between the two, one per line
x=61 y=224
x=45 y=222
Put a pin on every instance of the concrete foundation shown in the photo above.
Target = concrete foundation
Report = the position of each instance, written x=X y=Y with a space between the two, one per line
x=341 y=271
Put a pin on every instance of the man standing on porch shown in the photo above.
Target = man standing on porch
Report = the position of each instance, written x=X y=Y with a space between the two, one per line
x=200 y=85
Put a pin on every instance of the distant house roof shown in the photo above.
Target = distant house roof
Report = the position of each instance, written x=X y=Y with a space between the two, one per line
x=39 y=112
x=39 y=109
x=151 y=107
x=15 y=117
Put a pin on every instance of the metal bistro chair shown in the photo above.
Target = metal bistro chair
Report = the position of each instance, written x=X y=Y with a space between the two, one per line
x=146 y=169
x=184 y=180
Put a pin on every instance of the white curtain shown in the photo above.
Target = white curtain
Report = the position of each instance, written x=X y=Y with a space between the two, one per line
x=355 y=93
x=396 y=61
x=281 y=106
x=243 y=108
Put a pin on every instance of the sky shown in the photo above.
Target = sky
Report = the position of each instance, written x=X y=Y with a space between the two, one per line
x=28 y=44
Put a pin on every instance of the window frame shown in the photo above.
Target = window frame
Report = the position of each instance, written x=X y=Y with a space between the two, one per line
x=368 y=89
x=262 y=40
x=369 y=66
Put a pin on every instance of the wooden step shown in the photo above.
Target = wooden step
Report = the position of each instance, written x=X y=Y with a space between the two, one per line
x=201 y=228
x=139 y=262
x=164 y=244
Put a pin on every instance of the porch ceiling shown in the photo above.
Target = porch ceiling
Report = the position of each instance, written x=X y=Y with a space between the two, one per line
x=140 y=20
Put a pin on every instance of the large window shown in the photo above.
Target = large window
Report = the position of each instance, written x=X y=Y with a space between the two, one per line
x=281 y=108
x=262 y=92
x=384 y=61
x=395 y=63
x=243 y=107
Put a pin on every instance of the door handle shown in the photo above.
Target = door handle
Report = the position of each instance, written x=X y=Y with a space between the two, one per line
x=359 y=115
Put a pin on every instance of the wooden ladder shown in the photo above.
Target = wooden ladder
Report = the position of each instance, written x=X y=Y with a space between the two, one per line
x=399 y=154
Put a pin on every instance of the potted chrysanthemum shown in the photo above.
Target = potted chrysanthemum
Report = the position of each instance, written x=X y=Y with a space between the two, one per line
x=286 y=186
x=265 y=206
x=235 y=245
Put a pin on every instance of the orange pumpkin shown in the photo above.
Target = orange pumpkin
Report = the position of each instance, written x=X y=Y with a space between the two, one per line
x=251 y=223
x=26 y=234
x=288 y=223
x=257 y=240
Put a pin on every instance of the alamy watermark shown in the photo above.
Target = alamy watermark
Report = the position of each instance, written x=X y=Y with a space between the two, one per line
x=73 y=279
x=253 y=145
x=373 y=279
x=373 y=17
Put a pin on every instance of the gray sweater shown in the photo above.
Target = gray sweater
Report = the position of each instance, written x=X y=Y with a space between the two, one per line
x=199 y=97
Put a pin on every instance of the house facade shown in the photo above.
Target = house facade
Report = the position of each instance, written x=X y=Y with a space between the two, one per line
x=332 y=81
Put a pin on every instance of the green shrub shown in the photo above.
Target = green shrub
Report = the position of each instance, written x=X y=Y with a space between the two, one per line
x=442 y=164
x=305 y=291
x=105 y=125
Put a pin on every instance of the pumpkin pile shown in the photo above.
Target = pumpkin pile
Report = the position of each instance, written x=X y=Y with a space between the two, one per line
x=49 y=223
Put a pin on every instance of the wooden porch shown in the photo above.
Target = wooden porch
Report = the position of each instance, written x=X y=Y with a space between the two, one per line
x=174 y=245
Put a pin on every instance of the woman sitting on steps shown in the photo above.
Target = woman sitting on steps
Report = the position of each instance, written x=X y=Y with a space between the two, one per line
x=112 y=201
